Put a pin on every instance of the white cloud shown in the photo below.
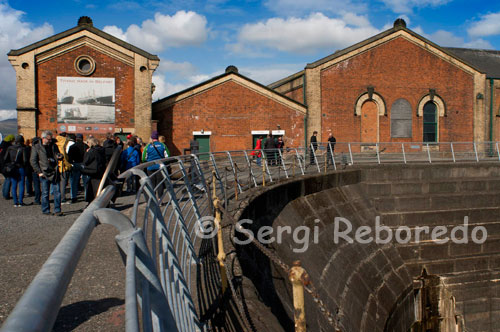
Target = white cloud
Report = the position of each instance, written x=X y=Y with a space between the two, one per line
x=488 y=25
x=15 y=33
x=294 y=7
x=179 y=70
x=448 y=39
x=164 y=86
x=479 y=44
x=181 y=29
x=303 y=35
x=7 y=114
x=406 y=6
x=270 y=73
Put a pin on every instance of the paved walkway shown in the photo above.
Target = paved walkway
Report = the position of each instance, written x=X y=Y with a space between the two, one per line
x=94 y=300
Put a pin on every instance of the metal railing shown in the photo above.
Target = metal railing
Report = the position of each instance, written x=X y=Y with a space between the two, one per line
x=172 y=277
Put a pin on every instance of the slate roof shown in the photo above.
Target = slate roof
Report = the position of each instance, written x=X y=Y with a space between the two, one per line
x=487 y=61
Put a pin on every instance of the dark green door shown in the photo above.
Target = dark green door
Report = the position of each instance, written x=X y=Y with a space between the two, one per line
x=204 y=141
x=123 y=137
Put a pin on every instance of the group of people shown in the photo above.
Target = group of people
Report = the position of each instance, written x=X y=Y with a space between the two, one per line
x=271 y=145
x=45 y=165
x=314 y=146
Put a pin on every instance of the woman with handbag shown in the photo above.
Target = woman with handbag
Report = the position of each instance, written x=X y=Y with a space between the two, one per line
x=15 y=162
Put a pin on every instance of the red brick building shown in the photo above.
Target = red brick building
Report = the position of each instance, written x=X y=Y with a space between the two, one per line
x=83 y=80
x=228 y=112
x=398 y=87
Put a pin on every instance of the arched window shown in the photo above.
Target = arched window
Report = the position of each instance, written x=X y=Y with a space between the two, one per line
x=401 y=118
x=430 y=122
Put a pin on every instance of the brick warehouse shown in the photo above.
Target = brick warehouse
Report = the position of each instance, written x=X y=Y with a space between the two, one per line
x=228 y=112
x=383 y=89
x=83 y=80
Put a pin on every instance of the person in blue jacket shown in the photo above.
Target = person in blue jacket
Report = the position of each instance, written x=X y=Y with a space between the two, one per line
x=130 y=157
x=155 y=150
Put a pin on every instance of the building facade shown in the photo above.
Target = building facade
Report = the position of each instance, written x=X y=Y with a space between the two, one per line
x=228 y=112
x=83 y=80
x=400 y=87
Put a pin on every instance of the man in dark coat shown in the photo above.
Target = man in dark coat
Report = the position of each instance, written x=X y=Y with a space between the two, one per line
x=94 y=165
x=109 y=146
x=44 y=156
x=314 y=146
x=331 y=147
x=76 y=153
x=270 y=149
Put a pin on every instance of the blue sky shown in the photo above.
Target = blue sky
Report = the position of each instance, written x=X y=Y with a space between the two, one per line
x=267 y=40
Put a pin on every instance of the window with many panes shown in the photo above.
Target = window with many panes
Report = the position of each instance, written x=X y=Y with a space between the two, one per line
x=430 y=122
x=401 y=118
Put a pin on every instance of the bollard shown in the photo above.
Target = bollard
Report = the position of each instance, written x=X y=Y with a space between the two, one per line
x=221 y=256
x=214 y=186
x=293 y=166
x=298 y=277
x=263 y=173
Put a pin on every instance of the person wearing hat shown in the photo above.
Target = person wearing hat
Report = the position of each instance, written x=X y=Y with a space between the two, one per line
x=155 y=151
x=76 y=153
x=7 y=141
x=17 y=156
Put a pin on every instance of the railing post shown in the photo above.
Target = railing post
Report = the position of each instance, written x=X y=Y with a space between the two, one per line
x=283 y=162
x=475 y=151
x=452 y=152
x=403 y=149
x=298 y=277
x=221 y=255
x=236 y=184
x=264 y=172
x=350 y=154
x=214 y=186
x=429 y=154
x=378 y=154
x=498 y=151
x=314 y=156
x=251 y=171
x=300 y=162
x=332 y=153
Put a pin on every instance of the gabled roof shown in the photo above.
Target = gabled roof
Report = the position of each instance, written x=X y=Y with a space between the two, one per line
x=230 y=71
x=83 y=25
x=399 y=24
x=488 y=61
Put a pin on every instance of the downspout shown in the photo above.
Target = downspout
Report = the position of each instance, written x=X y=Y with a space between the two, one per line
x=491 y=108
x=307 y=109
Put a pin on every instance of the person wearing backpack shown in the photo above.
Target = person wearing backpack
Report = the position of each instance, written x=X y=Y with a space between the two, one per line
x=15 y=163
x=7 y=141
x=154 y=151
x=130 y=158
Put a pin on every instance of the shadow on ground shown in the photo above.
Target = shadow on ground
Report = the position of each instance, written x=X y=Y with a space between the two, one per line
x=73 y=315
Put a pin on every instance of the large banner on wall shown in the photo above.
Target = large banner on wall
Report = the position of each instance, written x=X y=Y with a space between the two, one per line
x=85 y=105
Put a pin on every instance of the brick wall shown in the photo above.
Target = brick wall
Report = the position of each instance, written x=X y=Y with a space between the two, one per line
x=63 y=65
x=230 y=111
x=396 y=69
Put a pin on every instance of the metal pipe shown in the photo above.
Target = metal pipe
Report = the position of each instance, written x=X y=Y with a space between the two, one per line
x=452 y=152
x=403 y=149
x=38 y=307
x=221 y=255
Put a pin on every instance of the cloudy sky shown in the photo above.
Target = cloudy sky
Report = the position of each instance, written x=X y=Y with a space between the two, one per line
x=267 y=40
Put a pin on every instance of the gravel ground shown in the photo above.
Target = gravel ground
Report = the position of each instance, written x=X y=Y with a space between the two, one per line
x=94 y=300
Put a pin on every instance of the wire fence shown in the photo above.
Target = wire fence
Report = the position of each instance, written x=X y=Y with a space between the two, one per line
x=173 y=276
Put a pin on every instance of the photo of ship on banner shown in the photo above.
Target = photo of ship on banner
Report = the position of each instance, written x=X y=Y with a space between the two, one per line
x=85 y=104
